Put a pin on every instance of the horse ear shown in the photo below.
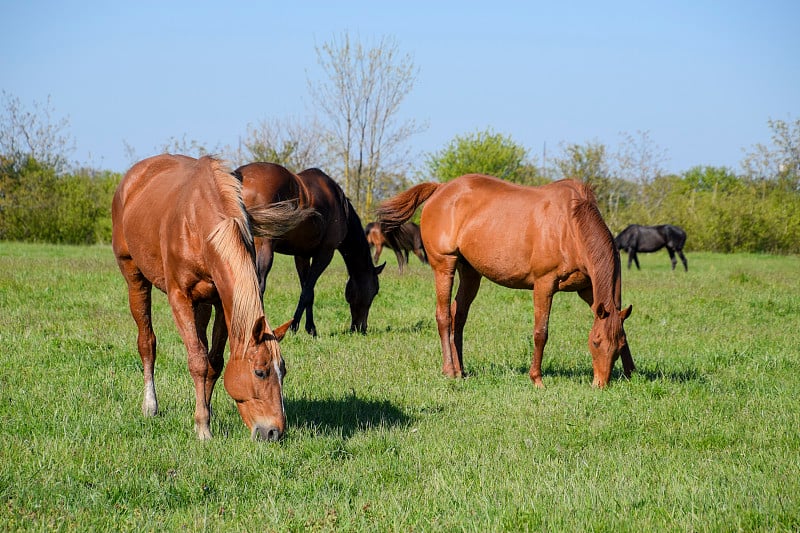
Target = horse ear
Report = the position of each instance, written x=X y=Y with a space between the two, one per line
x=601 y=311
x=259 y=329
x=625 y=313
x=379 y=269
x=280 y=331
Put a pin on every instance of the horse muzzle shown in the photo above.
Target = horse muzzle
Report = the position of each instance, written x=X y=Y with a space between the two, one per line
x=269 y=433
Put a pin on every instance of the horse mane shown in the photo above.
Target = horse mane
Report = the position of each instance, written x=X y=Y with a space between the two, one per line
x=597 y=239
x=233 y=241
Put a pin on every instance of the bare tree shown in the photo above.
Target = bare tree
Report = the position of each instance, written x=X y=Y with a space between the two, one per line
x=361 y=99
x=290 y=143
x=639 y=159
x=781 y=160
x=34 y=134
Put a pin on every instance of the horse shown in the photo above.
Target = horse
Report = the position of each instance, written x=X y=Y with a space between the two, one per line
x=636 y=238
x=549 y=238
x=313 y=242
x=179 y=223
x=406 y=239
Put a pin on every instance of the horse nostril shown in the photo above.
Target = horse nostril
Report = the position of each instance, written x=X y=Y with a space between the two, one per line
x=270 y=434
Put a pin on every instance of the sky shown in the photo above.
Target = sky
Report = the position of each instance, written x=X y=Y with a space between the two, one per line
x=700 y=78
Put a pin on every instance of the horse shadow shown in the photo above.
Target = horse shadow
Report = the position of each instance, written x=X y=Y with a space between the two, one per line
x=648 y=374
x=343 y=416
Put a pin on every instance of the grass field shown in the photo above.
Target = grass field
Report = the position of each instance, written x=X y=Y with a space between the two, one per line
x=704 y=437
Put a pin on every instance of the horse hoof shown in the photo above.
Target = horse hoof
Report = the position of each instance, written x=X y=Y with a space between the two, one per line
x=203 y=432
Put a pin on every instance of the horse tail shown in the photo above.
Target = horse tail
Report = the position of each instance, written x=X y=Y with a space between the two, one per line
x=277 y=219
x=392 y=213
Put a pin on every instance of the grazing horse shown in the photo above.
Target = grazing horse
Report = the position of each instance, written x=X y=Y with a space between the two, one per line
x=179 y=224
x=549 y=238
x=405 y=239
x=313 y=242
x=636 y=238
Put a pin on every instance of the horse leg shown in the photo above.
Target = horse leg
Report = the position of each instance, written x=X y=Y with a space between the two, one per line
x=443 y=276
x=378 y=250
x=401 y=263
x=542 y=302
x=219 y=337
x=633 y=255
x=309 y=271
x=264 y=258
x=469 y=281
x=196 y=342
x=683 y=260
x=140 y=302
x=672 y=259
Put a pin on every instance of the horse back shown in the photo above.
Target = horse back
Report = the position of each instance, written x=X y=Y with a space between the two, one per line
x=163 y=212
x=267 y=183
x=511 y=234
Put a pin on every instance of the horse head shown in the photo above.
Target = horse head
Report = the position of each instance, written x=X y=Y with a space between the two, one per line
x=255 y=382
x=361 y=289
x=606 y=341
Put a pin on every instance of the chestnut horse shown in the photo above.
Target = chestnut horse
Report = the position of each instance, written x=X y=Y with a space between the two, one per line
x=179 y=224
x=405 y=239
x=313 y=242
x=550 y=238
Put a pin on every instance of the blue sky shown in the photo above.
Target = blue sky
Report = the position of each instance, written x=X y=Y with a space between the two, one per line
x=700 y=77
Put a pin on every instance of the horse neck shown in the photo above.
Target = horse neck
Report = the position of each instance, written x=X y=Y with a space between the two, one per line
x=233 y=271
x=355 y=248
x=606 y=284
x=601 y=256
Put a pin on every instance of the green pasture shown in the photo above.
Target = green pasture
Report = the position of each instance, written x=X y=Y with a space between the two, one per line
x=704 y=437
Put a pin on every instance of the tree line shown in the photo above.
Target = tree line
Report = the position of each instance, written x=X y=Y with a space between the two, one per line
x=359 y=140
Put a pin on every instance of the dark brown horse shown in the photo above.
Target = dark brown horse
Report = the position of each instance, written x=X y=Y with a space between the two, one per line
x=550 y=238
x=313 y=242
x=404 y=239
x=179 y=224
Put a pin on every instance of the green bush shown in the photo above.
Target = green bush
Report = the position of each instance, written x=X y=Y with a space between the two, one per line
x=38 y=205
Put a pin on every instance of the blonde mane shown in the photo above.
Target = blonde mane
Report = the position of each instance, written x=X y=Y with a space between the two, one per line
x=233 y=241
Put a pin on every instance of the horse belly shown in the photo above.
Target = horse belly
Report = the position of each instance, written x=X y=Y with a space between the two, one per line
x=506 y=262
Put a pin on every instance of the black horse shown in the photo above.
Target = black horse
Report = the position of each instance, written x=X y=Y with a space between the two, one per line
x=636 y=238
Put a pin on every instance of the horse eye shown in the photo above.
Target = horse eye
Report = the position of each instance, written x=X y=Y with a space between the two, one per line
x=261 y=373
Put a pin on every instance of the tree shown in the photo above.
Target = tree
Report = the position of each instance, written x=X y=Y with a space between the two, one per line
x=711 y=179
x=361 y=99
x=175 y=145
x=33 y=134
x=483 y=152
x=287 y=143
x=779 y=162
x=639 y=159
x=587 y=163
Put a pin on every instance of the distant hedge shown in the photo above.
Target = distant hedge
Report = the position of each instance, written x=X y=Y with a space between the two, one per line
x=746 y=216
x=730 y=215
x=38 y=205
